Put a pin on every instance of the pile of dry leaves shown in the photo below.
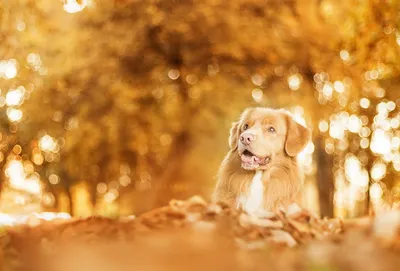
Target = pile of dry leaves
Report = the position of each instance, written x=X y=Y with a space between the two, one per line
x=287 y=227
x=196 y=235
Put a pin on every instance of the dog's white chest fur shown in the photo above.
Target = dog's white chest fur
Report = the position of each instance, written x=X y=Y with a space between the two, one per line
x=252 y=202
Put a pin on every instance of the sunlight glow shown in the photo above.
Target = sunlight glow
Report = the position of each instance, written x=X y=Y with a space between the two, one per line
x=381 y=142
x=54 y=179
x=364 y=103
x=327 y=91
x=14 y=115
x=19 y=179
x=344 y=55
x=375 y=191
x=339 y=86
x=355 y=173
x=48 y=144
x=294 y=81
x=323 y=126
x=378 y=171
x=8 y=69
x=257 y=94
x=14 y=97
x=111 y=195
x=72 y=6
x=354 y=124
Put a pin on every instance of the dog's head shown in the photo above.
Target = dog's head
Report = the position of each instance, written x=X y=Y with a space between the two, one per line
x=263 y=134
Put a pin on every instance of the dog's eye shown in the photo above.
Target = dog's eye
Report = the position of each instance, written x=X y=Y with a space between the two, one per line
x=245 y=127
x=271 y=129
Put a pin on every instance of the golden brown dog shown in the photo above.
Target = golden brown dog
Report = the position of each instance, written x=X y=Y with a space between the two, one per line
x=263 y=144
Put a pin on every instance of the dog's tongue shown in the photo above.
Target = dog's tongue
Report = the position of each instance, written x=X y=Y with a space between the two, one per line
x=251 y=159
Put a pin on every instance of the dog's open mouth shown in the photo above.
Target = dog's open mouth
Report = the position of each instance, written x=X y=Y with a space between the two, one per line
x=251 y=161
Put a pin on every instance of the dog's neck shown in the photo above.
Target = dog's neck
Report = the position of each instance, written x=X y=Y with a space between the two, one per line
x=252 y=202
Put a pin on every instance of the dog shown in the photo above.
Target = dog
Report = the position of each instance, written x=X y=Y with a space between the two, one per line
x=260 y=172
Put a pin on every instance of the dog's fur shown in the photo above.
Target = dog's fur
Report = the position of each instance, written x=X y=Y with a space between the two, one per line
x=281 y=145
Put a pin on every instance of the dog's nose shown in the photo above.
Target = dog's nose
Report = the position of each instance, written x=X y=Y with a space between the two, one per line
x=247 y=138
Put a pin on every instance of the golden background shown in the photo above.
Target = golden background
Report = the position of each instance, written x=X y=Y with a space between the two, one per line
x=116 y=107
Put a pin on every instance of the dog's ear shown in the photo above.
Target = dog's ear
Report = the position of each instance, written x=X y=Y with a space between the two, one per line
x=297 y=136
x=234 y=135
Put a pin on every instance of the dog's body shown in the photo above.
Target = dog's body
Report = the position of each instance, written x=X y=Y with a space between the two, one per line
x=265 y=141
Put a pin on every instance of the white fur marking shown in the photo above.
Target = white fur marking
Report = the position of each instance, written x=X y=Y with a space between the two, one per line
x=253 y=202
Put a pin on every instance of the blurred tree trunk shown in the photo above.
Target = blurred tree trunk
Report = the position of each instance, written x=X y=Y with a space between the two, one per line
x=71 y=201
x=367 y=205
x=324 y=178
x=66 y=186
x=182 y=142
x=93 y=194
x=2 y=179
x=170 y=173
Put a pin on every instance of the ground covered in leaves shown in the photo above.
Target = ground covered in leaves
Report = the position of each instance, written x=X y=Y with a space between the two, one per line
x=195 y=235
